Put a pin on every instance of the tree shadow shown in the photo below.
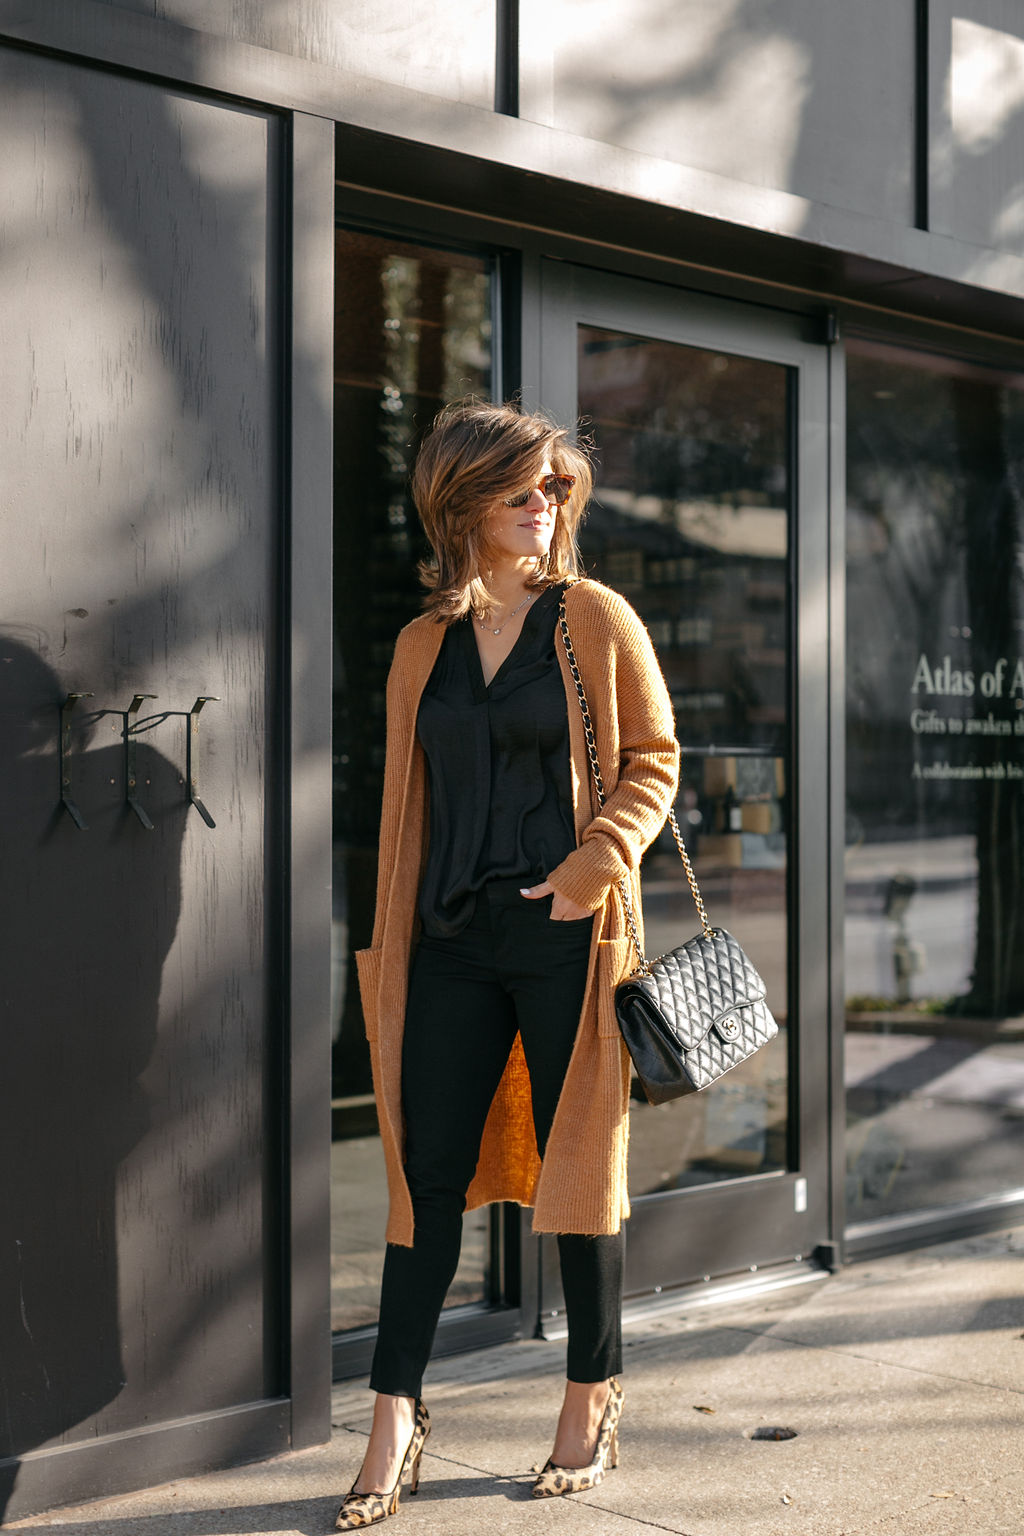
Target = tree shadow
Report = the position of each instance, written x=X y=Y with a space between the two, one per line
x=144 y=1103
x=308 y=1517
x=87 y=920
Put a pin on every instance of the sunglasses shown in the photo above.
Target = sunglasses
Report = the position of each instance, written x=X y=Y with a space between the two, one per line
x=555 y=489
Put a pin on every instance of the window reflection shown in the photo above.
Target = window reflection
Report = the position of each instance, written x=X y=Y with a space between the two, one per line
x=412 y=329
x=935 y=765
x=690 y=521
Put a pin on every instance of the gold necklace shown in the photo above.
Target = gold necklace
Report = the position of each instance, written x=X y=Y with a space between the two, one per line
x=527 y=599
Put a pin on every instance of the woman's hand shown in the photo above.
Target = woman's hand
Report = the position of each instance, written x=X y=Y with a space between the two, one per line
x=562 y=909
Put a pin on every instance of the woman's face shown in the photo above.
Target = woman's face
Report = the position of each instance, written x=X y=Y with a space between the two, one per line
x=520 y=533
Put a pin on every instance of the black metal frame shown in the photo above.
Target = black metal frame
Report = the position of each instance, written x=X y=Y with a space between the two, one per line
x=917 y=1229
x=307 y=793
x=858 y=1241
x=506 y=61
x=836 y=591
x=922 y=111
x=723 y=1218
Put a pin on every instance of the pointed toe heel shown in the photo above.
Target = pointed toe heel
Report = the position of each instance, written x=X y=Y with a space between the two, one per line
x=361 y=1509
x=555 y=1480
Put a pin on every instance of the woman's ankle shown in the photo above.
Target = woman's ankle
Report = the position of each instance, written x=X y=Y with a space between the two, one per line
x=580 y=1394
x=579 y=1423
x=394 y=1420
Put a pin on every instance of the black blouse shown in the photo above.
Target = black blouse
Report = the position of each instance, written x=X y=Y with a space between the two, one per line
x=497 y=765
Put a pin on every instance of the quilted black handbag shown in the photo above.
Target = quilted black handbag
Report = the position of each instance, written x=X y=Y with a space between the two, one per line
x=697 y=1011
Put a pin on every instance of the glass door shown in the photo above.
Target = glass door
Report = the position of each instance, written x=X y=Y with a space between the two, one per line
x=710 y=516
x=413 y=329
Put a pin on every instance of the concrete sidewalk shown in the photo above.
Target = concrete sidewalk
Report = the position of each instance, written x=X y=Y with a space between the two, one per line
x=903 y=1380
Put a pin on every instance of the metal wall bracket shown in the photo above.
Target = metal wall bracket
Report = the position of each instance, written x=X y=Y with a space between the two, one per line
x=64 y=740
x=192 y=753
x=131 y=779
x=129 y=730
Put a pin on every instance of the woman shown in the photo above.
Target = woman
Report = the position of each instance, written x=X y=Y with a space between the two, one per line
x=499 y=934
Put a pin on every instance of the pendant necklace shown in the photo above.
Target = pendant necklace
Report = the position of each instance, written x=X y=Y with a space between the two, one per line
x=484 y=626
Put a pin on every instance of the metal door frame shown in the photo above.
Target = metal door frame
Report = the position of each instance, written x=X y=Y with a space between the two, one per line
x=748 y=1221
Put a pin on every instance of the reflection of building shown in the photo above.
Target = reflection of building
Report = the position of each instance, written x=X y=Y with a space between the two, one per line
x=773 y=260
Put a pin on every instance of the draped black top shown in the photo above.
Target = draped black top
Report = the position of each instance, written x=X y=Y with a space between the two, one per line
x=497 y=766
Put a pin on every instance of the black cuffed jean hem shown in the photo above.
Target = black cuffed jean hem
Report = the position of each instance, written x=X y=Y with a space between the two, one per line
x=511 y=970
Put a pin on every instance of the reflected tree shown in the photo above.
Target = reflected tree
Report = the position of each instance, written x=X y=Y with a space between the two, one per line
x=987 y=425
x=412 y=331
x=934 y=568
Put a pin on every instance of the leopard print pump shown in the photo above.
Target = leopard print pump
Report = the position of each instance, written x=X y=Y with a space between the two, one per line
x=359 y=1509
x=556 y=1480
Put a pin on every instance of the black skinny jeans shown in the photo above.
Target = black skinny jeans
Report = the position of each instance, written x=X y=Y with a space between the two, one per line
x=510 y=970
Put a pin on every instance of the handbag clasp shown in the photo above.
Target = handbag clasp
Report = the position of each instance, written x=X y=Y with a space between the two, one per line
x=729 y=1027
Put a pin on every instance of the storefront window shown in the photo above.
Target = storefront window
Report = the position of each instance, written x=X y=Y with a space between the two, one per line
x=935 y=769
x=690 y=521
x=413 y=329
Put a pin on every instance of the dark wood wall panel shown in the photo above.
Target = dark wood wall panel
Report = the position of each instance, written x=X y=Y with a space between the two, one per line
x=140 y=1095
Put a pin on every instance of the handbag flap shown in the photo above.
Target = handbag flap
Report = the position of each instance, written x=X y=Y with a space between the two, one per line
x=699 y=986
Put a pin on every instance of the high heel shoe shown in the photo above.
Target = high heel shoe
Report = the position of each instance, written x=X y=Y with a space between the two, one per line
x=555 y=1480
x=359 y=1509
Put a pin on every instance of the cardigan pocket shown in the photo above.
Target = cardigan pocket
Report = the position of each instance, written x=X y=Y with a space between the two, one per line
x=368 y=969
x=613 y=956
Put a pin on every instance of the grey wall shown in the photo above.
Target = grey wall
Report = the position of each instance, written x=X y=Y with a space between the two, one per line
x=443 y=49
x=140 y=1096
x=976 y=170
x=792 y=118
x=798 y=95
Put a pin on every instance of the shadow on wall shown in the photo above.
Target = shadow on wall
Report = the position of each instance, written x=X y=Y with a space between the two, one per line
x=148 y=307
x=978 y=132
x=789 y=100
x=87 y=919
x=718 y=87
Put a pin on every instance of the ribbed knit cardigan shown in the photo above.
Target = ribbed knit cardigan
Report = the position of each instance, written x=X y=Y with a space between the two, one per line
x=581 y=1186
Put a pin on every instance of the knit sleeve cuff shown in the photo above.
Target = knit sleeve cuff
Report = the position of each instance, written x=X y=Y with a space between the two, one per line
x=589 y=872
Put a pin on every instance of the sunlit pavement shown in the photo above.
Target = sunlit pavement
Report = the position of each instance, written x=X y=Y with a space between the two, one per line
x=902 y=1381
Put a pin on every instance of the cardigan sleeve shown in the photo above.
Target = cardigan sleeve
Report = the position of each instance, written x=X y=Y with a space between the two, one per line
x=396 y=751
x=613 y=843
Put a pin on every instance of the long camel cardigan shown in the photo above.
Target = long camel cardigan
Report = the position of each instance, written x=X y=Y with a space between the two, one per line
x=581 y=1185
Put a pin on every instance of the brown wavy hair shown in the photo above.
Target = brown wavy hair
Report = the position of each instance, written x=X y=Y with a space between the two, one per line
x=474 y=456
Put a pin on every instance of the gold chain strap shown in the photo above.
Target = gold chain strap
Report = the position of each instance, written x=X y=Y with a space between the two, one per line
x=705 y=921
x=595 y=768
